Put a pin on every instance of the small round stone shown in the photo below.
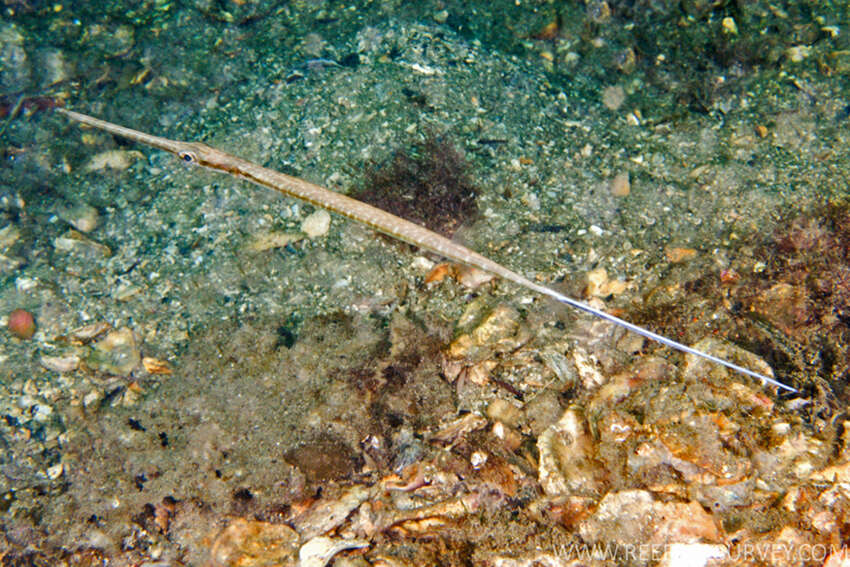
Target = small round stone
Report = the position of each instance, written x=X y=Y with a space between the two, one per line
x=317 y=224
x=620 y=185
x=21 y=324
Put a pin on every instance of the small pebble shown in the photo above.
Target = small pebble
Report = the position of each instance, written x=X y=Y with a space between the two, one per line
x=9 y=234
x=613 y=97
x=478 y=459
x=114 y=159
x=625 y=60
x=125 y=292
x=531 y=201
x=92 y=398
x=271 y=239
x=503 y=411
x=595 y=282
x=56 y=69
x=598 y=11
x=81 y=216
x=620 y=186
x=14 y=60
x=798 y=53
x=676 y=255
x=55 y=471
x=630 y=343
x=317 y=224
x=21 y=324
x=599 y=285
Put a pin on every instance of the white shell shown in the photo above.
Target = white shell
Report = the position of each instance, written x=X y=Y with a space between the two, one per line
x=320 y=550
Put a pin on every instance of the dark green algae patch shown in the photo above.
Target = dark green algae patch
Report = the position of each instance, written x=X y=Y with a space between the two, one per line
x=309 y=368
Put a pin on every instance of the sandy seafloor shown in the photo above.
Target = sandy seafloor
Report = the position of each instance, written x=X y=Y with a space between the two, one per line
x=188 y=399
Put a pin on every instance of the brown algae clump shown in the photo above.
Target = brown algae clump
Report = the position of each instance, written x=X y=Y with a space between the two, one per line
x=428 y=184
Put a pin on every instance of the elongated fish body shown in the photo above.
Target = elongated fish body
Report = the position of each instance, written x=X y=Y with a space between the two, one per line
x=380 y=220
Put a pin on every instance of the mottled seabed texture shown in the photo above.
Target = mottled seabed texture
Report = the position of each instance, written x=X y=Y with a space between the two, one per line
x=197 y=371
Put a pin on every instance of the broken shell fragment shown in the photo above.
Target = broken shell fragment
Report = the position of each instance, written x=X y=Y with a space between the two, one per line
x=320 y=550
x=598 y=284
x=77 y=243
x=328 y=514
x=246 y=542
x=566 y=458
x=484 y=331
x=459 y=427
x=472 y=278
x=88 y=332
x=60 y=363
x=155 y=366
x=587 y=368
x=633 y=515
x=117 y=353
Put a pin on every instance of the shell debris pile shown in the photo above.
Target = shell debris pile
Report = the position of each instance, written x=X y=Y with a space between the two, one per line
x=650 y=465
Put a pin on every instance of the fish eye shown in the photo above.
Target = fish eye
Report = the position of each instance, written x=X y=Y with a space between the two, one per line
x=188 y=157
